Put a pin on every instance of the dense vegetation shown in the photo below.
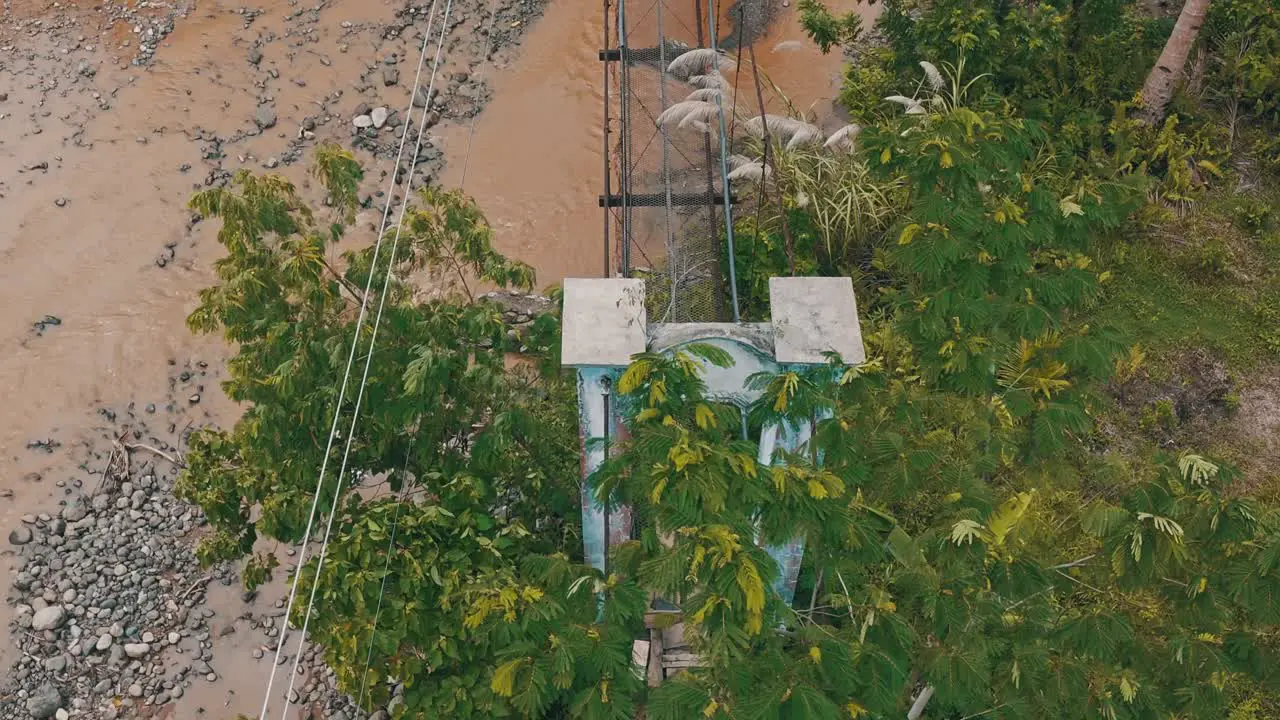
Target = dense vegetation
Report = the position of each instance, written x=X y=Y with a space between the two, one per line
x=1030 y=501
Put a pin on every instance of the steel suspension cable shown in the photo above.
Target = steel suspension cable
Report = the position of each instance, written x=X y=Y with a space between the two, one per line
x=373 y=339
x=724 y=171
x=404 y=490
x=386 y=570
x=342 y=393
x=488 y=61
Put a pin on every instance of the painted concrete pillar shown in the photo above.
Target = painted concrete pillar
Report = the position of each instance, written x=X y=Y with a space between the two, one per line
x=604 y=325
x=601 y=425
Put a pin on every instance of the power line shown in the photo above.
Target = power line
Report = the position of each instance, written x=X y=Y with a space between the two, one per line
x=386 y=570
x=404 y=490
x=373 y=339
x=488 y=60
x=364 y=302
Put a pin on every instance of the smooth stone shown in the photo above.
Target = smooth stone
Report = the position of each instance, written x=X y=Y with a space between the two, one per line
x=49 y=618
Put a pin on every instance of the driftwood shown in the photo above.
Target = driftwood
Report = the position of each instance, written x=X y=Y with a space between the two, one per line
x=119 y=465
x=201 y=581
x=155 y=451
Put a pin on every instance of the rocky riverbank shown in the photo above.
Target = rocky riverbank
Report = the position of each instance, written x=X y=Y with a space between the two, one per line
x=109 y=612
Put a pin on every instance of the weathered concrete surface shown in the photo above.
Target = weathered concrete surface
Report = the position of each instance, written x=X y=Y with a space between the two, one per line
x=604 y=322
x=815 y=315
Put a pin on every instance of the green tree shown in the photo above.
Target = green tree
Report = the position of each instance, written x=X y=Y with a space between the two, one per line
x=965 y=534
x=962 y=535
x=473 y=465
x=1064 y=62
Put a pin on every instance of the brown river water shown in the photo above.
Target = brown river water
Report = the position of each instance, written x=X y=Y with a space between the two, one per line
x=90 y=198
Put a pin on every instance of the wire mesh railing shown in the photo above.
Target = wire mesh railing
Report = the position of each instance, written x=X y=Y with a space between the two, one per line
x=669 y=213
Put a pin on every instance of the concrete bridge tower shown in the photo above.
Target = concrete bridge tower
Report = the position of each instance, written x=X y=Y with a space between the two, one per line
x=605 y=324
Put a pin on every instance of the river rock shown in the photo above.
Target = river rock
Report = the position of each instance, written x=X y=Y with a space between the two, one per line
x=104 y=642
x=74 y=512
x=136 y=650
x=20 y=536
x=390 y=76
x=265 y=116
x=44 y=702
x=50 y=618
x=378 y=116
x=362 y=121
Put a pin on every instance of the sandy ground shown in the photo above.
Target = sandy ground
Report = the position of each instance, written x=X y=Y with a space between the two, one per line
x=98 y=157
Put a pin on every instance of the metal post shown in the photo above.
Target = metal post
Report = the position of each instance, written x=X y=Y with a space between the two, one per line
x=608 y=186
x=724 y=174
x=623 y=46
x=711 y=186
x=608 y=418
x=673 y=271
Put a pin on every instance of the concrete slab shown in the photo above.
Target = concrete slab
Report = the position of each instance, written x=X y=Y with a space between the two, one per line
x=604 y=322
x=813 y=315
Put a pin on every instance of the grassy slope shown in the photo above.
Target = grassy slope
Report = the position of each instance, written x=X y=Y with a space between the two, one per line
x=1200 y=292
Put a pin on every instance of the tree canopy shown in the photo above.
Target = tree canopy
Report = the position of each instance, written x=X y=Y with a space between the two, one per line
x=975 y=538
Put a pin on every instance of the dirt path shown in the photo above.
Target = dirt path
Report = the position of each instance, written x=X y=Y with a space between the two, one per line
x=113 y=112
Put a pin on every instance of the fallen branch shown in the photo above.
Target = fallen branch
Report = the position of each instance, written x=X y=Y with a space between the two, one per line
x=118 y=452
x=139 y=446
x=194 y=585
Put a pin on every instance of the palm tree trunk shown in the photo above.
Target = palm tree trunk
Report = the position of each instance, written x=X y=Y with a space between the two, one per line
x=1164 y=77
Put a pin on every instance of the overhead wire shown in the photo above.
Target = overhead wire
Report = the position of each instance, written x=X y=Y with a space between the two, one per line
x=404 y=489
x=355 y=341
x=350 y=362
x=373 y=339
x=386 y=571
x=488 y=61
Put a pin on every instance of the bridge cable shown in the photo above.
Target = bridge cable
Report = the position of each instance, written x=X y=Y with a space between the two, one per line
x=266 y=701
x=373 y=339
x=712 y=7
x=488 y=61
x=404 y=490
